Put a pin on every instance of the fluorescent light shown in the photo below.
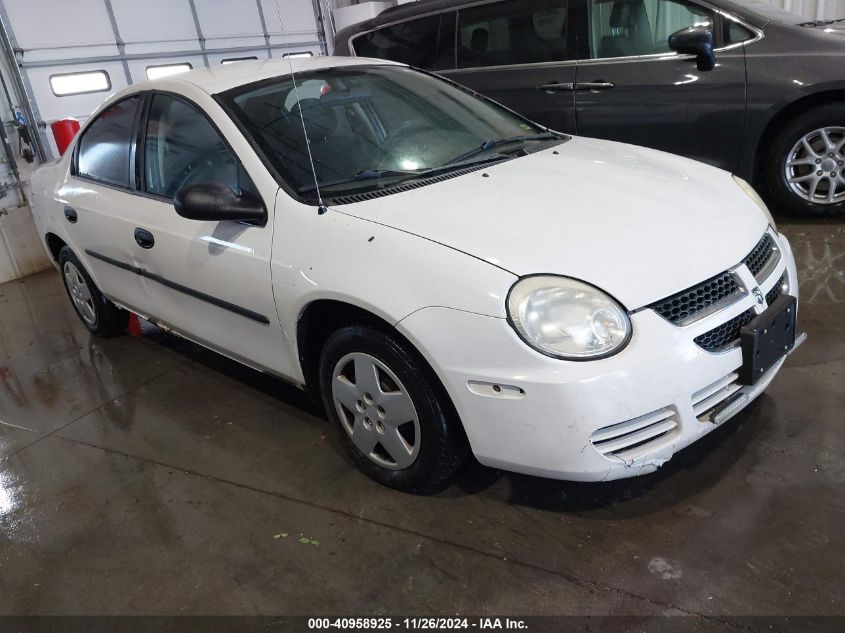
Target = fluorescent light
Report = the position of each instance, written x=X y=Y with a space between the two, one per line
x=156 y=72
x=80 y=83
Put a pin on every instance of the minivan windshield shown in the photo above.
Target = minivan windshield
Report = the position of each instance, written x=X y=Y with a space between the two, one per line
x=373 y=126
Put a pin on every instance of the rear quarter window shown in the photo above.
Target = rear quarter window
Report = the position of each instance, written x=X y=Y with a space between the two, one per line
x=106 y=144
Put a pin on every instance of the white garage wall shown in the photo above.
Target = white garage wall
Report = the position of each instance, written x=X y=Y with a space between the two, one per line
x=124 y=37
x=813 y=9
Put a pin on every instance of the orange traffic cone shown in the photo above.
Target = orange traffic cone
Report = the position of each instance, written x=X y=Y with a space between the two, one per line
x=134 y=326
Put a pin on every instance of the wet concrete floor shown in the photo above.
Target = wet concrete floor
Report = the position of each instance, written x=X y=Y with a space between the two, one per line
x=146 y=475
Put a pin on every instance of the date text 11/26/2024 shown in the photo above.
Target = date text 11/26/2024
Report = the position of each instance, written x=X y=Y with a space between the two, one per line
x=417 y=624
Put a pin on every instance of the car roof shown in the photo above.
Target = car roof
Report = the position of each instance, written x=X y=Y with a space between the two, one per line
x=222 y=77
x=409 y=10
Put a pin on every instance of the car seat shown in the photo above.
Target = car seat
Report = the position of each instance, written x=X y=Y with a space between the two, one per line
x=631 y=33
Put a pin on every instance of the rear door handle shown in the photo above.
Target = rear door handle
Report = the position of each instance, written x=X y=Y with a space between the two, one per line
x=594 y=85
x=71 y=215
x=557 y=87
x=144 y=238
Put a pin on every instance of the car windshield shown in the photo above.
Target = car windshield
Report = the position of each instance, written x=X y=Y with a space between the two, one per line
x=372 y=126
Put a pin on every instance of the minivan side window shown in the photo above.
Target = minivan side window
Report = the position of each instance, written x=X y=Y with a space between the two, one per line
x=417 y=42
x=629 y=28
x=183 y=148
x=106 y=144
x=512 y=32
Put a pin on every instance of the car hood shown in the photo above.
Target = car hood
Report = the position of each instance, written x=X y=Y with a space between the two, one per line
x=638 y=223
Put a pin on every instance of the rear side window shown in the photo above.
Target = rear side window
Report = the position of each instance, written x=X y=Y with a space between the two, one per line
x=106 y=144
x=512 y=32
x=417 y=42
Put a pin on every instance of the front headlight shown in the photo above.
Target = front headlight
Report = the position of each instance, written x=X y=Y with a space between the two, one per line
x=566 y=318
x=749 y=190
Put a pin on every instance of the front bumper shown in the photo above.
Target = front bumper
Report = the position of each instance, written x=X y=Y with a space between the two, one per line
x=617 y=417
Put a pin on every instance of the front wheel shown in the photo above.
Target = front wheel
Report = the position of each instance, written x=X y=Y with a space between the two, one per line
x=389 y=411
x=806 y=167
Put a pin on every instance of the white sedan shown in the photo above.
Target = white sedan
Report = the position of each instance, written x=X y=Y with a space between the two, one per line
x=443 y=273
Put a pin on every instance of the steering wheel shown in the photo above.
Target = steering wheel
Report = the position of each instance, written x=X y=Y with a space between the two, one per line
x=409 y=128
x=190 y=170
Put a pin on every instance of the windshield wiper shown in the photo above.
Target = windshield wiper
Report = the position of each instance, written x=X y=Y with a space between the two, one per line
x=363 y=176
x=498 y=142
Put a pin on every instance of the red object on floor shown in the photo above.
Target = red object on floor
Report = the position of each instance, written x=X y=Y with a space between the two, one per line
x=63 y=131
x=134 y=326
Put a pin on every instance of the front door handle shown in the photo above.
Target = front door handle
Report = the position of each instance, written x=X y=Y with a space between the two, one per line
x=594 y=85
x=71 y=215
x=556 y=87
x=144 y=238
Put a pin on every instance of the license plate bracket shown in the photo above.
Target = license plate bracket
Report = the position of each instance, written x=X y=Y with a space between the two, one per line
x=767 y=338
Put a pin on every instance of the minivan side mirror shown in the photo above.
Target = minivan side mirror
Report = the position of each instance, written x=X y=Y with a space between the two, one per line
x=216 y=202
x=698 y=41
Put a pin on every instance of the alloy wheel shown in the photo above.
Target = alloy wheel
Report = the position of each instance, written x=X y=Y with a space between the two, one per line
x=80 y=294
x=815 y=167
x=376 y=411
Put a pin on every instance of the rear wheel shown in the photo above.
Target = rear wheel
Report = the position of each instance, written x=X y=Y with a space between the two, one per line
x=389 y=411
x=98 y=314
x=806 y=167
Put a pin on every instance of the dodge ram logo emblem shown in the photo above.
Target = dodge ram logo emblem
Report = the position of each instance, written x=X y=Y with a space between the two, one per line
x=758 y=294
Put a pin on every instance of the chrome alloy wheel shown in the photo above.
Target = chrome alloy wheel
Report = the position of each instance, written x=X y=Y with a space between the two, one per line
x=815 y=167
x=80 y=294
x=376 y=411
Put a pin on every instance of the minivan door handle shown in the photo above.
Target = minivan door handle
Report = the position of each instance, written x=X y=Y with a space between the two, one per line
x=144 y=238
x=71 y=215
x=557 y=87
x=594 y=85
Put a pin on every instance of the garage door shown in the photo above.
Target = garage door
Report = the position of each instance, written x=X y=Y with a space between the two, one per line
x=74 y=54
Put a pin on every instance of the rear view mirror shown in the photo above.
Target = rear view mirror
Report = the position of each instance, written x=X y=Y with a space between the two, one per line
x=215 y=202
x=698 y=41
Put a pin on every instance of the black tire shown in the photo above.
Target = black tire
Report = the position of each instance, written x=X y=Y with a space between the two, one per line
x=109 y=319
x=443 y=445
x=782 y=197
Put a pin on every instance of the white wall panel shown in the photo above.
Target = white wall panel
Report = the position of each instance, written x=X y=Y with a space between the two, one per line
x=813 y=9
x=155 y=25
x=46 y=29
x=297 y=17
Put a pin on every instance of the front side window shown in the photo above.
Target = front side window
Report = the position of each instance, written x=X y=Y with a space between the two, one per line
x=182 y=148
x=512 y=32
x=370 y=126
x=417 y=43
x=629 y=28
x=106 y=144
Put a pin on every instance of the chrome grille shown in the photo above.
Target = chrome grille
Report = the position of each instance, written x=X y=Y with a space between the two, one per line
x=764 y=256
x=690 y=304
x=776 y=290
x=726 y=334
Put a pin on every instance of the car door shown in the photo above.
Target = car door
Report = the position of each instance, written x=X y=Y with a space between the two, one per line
x=211 y=280
x=100 y=211
x=520 y=53
x=634 y=89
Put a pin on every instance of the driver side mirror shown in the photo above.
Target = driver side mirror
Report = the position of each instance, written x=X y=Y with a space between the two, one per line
x=698 y=41
x=215 y=202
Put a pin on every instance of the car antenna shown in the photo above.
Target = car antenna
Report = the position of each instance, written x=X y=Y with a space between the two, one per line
x=322 y=208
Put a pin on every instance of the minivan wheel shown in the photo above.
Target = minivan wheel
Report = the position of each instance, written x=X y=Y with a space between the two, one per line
x=388 y=410
x=98 y=314
x=806 y=168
